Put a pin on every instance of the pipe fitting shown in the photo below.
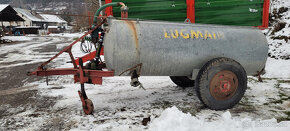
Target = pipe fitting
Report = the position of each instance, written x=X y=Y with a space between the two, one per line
x=103 y=7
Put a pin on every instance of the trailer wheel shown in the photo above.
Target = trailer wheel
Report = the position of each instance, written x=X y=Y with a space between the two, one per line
x=182 y=81
x=89 y=108
x=221 y=83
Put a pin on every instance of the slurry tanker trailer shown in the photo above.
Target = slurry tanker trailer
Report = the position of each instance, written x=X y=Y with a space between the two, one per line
x=214 y=59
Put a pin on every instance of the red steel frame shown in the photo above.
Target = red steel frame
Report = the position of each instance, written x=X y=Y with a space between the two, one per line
x=191 y=12
x=80 y=74
x=109 y=10
x=265 y=21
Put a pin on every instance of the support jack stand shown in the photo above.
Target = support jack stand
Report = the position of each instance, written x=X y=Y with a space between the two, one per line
x=87 y=104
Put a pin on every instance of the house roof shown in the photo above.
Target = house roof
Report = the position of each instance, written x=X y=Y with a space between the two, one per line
x=3 y=6
x=52 y=18
x=44 y=17
x=7 y=13
x=28 y=15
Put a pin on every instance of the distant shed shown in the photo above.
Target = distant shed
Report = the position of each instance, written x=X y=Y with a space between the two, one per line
x=22 y=30
x=8 y=14
x=30 y=19
x=53 y=20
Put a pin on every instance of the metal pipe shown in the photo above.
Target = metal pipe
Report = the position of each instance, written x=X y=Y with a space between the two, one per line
x=103 y=7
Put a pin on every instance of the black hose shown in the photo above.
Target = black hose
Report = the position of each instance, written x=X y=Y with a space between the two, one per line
x=86 y=46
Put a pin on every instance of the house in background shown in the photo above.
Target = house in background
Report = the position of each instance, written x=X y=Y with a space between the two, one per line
x=9 y=15
x=54 y=24
x=32 y=21
x=39 y=19
x=53 y=20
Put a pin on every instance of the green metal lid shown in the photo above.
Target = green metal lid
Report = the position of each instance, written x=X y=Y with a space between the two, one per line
x=226 y=12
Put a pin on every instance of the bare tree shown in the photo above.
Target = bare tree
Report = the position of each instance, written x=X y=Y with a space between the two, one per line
x=90 y=7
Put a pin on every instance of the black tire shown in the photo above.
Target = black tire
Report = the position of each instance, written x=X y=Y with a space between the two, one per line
x=182 y=81
x=209 y=93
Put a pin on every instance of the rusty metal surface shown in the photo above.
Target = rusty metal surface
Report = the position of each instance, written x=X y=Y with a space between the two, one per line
x=176 y=49
x=223 y=85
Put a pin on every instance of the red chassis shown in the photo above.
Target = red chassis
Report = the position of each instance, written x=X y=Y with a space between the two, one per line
x=81 y=74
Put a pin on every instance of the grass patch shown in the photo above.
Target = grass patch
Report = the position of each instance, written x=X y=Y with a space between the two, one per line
x=283 y=81
x=287 y=118
x=270 y=78
x=189 y=110
x=162 y=104
x=287 y=113
x=277 y=85
x=283 y=97
x=281 y=94
x=75 y=38
x=283 y=119
x=280 y=101
x=251 y=79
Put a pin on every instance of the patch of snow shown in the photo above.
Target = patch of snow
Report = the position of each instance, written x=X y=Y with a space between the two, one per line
x=60 y=8
x=116 y=93
x=279 y=41
x=28 y=14
x=277 y=68
x=3 y=6
x=28 y=50
x=52 y=18
x=285 y=85
x=262 y=90
x=252 y=113
x=279 y=3
x=52 y=27
x=27 y=27
x=71 y=35
x=172 y=119
x=17 y=38
x=253 y=10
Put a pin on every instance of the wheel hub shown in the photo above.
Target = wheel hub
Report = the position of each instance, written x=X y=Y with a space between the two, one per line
x=223 y=85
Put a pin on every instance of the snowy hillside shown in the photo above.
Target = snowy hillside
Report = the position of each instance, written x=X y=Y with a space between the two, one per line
x=278 y=34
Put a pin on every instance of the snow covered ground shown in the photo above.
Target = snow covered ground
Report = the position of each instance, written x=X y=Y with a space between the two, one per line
x=17 y=38
x=118 y=106
x=33 y=105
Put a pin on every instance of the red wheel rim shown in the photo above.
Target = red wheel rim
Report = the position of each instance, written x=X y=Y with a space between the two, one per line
x=223 y=85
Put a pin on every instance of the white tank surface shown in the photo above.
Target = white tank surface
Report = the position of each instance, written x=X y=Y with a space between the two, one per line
x=177 y=49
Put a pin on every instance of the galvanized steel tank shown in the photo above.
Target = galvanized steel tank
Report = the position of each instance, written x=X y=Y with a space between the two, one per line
x=177 y=49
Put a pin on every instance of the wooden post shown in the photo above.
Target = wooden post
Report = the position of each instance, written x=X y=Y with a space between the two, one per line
x=10 y=32
x=3 y=26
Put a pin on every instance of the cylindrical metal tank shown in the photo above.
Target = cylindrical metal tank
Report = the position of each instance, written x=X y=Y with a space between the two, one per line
x=176 y=49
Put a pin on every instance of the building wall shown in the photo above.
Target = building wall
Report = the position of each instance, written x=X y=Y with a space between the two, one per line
x=27 y=22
